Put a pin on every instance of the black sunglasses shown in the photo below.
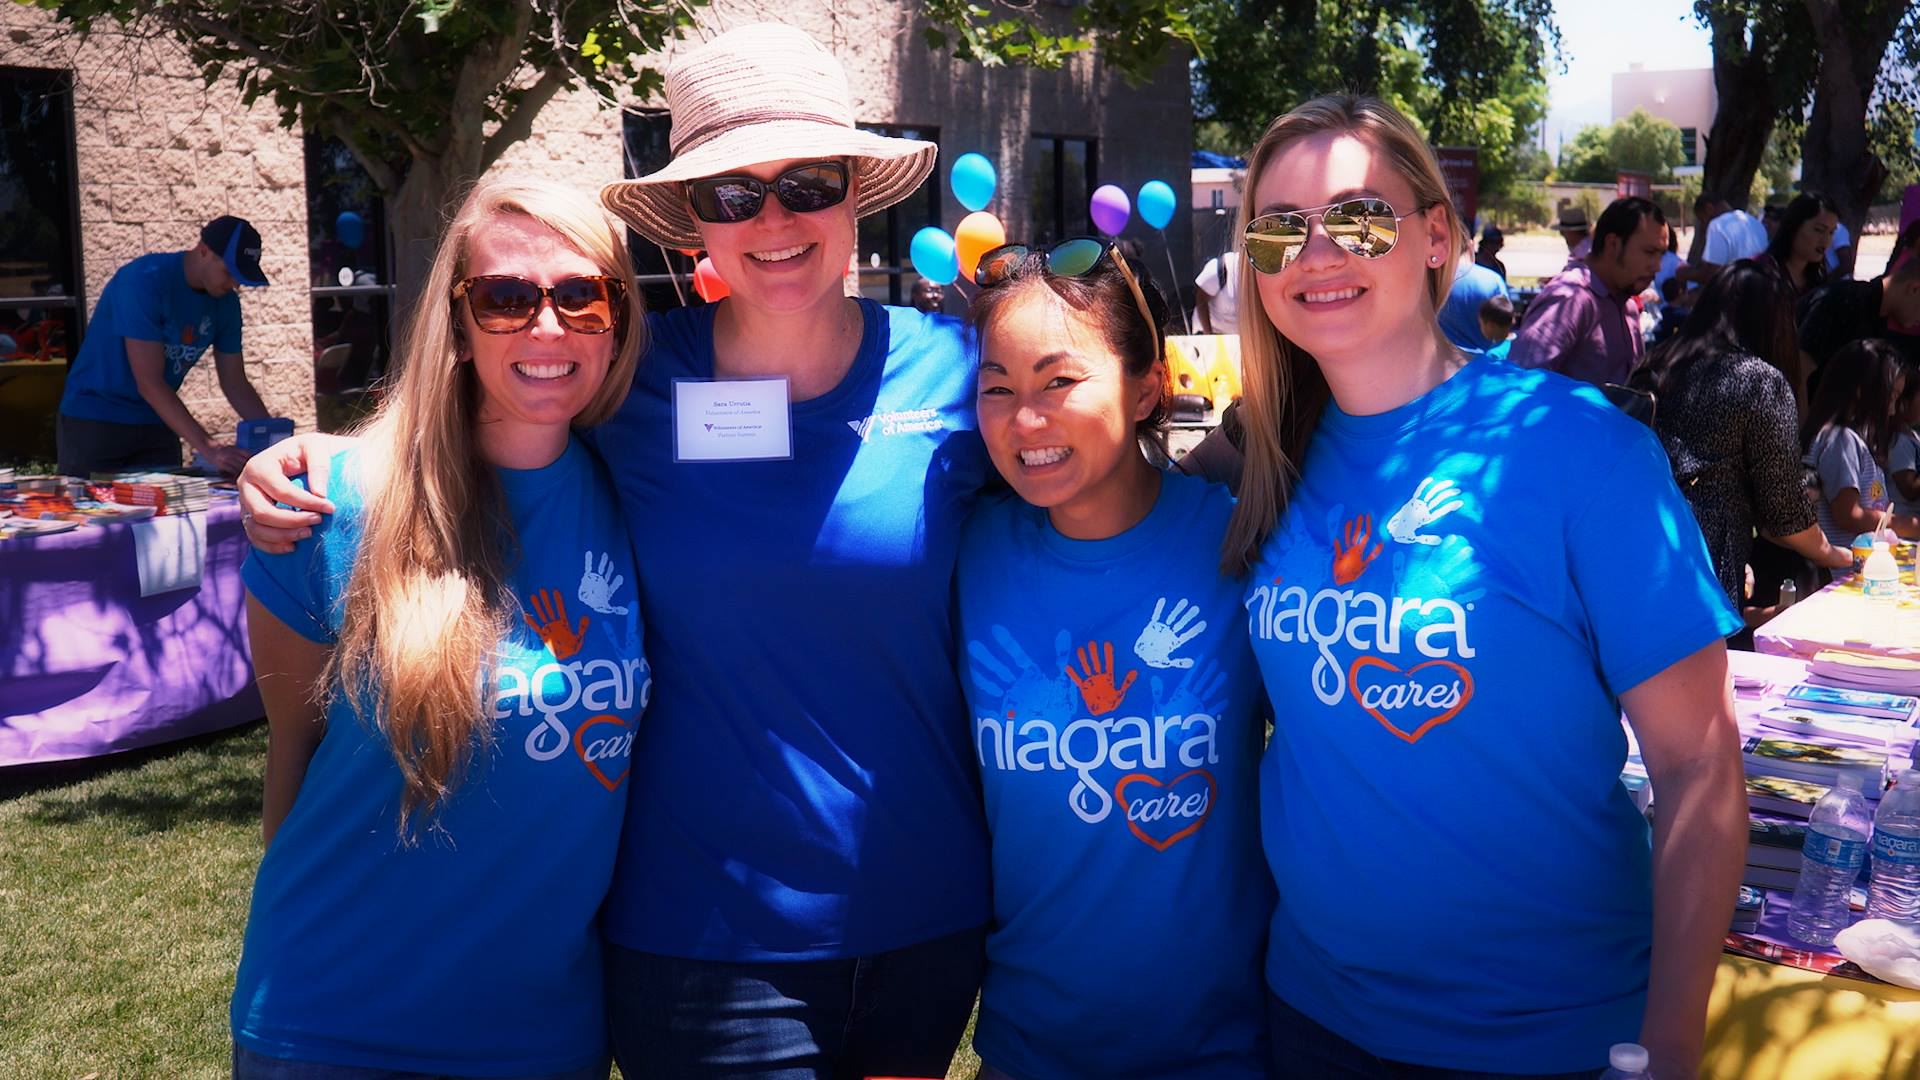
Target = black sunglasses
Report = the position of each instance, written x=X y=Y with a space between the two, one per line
x=505 y=304
x=1072 y=257
x=803 y=189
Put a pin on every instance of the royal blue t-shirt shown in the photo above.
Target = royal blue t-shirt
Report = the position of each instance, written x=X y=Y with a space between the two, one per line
x=147 y=300
x=1447 y=614
x=475 y=952
x=803 y=787
x=1117 y=718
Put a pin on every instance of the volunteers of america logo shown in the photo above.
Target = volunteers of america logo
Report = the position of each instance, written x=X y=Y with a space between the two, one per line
x=898 y=422
x=1071 y=717
x=614 y=690
x=1405 y=648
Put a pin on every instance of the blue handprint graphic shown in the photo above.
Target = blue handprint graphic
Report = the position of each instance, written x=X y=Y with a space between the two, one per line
x=1025 y=690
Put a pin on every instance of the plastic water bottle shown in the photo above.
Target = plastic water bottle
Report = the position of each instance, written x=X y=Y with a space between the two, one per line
x=1880 y=578
x=1627 y=1061
x=1895 y=890
x=1789 y=594
x=1835 y=850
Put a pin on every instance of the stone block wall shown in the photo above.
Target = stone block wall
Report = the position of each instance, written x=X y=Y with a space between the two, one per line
x=159 y=155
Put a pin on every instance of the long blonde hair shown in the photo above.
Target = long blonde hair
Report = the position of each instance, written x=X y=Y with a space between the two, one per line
x=427 y=604
x=1284 y=390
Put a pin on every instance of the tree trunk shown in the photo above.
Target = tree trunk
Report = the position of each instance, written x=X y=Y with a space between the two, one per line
x=1836 y=159
x=416 y=216
x=1742 y=123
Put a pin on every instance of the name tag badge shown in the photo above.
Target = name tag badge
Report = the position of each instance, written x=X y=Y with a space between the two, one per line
x=731 y=420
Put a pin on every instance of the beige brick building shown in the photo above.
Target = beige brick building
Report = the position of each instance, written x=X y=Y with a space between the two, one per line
x=155 y=153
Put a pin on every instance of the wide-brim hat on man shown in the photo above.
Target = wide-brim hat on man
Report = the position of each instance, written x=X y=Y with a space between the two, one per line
x=756 y=94
x=1573 y=219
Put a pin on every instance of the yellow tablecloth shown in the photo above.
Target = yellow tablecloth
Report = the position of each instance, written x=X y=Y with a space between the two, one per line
x=1840 y=616
x=1773 y=1022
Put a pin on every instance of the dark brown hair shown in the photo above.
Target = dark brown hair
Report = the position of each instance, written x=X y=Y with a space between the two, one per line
x=1103 y=296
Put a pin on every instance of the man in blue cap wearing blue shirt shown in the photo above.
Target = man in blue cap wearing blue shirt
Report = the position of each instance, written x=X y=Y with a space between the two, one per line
x=155 y=320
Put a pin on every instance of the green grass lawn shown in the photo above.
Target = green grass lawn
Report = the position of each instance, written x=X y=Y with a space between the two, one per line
x=123 y=894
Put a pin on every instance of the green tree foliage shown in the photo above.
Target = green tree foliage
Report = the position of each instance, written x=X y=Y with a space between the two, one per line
x=1891 y=138
x=1469 y=72
x=1638 y=142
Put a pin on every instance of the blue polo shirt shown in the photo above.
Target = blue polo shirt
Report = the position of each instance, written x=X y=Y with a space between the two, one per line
x=148 y=299
x=803 y=788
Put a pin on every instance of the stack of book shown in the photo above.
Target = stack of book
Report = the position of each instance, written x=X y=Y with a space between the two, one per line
x=1849 y=670
x=167 y=493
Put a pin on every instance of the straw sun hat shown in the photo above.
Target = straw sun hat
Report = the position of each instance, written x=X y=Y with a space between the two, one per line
x=761 y=93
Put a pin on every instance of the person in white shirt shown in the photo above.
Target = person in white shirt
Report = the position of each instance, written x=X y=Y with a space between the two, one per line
x=1840 y=253
x=1731 y=235
x=1219 y=297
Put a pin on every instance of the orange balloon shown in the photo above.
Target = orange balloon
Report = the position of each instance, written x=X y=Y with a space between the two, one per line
x=979 y=233
x=708 y=283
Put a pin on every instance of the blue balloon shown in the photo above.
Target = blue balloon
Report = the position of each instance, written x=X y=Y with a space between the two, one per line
x=973 y=181
x=934 y=257
x=1155 y=204
x=350 y=229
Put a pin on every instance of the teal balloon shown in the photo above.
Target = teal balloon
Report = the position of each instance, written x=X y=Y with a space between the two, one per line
x=933 y=256
x=1156 y=203
x=973 y=181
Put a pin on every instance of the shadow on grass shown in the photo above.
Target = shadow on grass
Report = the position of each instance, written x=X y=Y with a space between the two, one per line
x=221 y=784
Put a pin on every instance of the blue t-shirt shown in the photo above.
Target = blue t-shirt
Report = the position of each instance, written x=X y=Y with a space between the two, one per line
x=147 y=300
x=476 y=951
x=803 y=788
x=1117 y=719
x=1446 y=618
x=1459 y=317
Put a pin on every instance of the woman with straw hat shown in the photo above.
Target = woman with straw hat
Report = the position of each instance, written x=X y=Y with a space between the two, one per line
x=802 y=884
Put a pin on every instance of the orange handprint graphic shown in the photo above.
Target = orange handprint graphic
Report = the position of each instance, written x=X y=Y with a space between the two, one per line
x=551 y=607
x=1096 y=686
x=1350 y=557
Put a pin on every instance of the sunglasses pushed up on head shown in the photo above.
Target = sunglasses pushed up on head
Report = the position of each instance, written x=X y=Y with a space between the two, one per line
x=1366 y=227
x=1073 y=257
x=803 y=189
x=506 y=304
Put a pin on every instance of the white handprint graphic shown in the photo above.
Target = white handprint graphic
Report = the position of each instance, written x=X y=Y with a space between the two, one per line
x=596 y=591
x=1432 y=500
x=1157 y=642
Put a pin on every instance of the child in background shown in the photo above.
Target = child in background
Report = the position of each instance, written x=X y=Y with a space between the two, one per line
x=1903 y=457
x=1847 y=433
x=1496 y=321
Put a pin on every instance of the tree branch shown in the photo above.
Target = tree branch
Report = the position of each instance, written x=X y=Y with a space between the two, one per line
x=519 y=123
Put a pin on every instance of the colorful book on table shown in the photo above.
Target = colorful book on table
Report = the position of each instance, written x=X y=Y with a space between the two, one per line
x=1865 y=671
x=1821 y=763
x=1782 y=795
x=1850 y=729
x=1835 y=699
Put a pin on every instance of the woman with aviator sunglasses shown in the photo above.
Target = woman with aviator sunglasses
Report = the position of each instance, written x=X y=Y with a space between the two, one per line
x=802 y=886
x=1449 y=625
x=438 y=847
x=1115 y=704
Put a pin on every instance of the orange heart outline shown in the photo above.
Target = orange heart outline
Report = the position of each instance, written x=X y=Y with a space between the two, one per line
x=580 y=749
x=1213 y=796
x=1466 y=694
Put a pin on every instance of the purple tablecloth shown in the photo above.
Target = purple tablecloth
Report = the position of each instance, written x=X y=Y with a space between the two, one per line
x=88 y=666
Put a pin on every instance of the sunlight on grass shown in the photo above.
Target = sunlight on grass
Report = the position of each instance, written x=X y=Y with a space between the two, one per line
x=123 y=897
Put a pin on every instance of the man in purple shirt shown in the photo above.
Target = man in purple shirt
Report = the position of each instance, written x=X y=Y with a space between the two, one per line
x=1583 y=324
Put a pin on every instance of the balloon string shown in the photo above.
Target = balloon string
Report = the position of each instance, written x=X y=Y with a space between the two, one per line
x=1173 y=280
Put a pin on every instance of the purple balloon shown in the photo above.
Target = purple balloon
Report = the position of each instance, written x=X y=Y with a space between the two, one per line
x=1111 y=209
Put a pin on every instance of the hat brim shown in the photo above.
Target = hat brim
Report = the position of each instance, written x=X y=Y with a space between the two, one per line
x=886 y=171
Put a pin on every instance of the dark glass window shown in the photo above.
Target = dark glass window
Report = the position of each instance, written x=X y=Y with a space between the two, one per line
x=40 y=294
x=883 y=246
x=1062 y=173
x=665 y=275
x=1688 y=143
x=352 y=282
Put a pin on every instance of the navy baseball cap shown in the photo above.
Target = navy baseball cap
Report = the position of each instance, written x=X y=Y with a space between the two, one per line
x=238 y=243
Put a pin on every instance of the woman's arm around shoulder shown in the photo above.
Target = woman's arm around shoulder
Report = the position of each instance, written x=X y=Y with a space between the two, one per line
x=288 y=669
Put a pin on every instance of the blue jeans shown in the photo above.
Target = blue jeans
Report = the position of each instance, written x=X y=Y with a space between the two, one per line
x=248 y=1065
x=898 y=1013
x=1304 y=1050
